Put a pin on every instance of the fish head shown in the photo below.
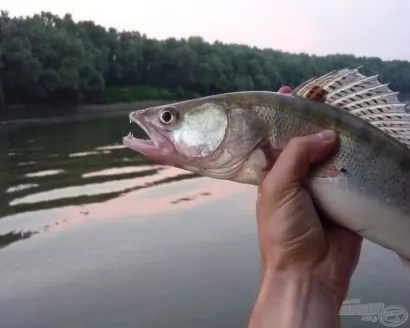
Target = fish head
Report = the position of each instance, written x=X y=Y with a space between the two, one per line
x=212 y=136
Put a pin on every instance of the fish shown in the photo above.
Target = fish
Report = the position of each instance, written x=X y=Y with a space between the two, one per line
x=364 y=185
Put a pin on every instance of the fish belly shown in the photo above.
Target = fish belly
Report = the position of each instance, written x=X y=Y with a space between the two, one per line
x=364 y=213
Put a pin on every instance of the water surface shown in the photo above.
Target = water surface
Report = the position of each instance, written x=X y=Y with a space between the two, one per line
x=93 y=235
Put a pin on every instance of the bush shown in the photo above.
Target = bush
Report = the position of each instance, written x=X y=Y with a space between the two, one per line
x=135 y=93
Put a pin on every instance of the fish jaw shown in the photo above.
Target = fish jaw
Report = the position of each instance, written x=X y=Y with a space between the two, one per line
x=158 y=148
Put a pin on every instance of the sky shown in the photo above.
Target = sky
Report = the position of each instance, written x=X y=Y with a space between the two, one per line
x=361 y=27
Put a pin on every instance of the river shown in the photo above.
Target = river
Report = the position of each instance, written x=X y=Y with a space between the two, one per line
x=94 y=235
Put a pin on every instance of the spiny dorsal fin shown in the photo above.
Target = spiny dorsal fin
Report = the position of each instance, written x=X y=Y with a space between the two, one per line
x=363 y=96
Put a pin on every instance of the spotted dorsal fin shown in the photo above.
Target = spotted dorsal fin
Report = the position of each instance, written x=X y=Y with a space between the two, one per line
x=363 y=96
x=316 y=93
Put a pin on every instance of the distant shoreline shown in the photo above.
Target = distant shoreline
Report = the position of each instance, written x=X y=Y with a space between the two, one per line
x=23 y=114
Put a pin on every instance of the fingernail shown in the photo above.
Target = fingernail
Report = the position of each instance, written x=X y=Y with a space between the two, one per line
x=327 y=135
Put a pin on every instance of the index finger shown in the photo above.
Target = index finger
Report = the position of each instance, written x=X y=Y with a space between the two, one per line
x=293 y=163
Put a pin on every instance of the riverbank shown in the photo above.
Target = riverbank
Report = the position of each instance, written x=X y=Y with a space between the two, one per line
x=28 y=114
x=23 y=115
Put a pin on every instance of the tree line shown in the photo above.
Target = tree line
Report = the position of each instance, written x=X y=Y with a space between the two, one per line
x=47 y=59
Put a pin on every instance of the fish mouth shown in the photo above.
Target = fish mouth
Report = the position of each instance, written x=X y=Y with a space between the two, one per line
x=157 y=147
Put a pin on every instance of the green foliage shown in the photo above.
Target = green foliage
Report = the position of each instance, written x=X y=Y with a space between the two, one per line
x=49 y=59
x=139 y=92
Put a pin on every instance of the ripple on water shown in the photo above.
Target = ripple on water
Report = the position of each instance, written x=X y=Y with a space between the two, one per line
x=43 y=173
x=122 y=170
x=157 y=198
x=111 y=147
x=21 y=187
x=88 y=153
x=100 y=188
x=26 y=163
x=72 y=170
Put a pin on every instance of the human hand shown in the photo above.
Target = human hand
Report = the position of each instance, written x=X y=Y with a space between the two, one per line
x=292 y=235
x=307 y=262
x=285 y=182
x=405 y=262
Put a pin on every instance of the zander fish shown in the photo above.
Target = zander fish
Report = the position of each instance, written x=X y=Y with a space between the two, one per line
x=364 y=185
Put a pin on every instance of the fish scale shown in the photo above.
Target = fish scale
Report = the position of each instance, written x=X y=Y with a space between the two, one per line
x=376 y=170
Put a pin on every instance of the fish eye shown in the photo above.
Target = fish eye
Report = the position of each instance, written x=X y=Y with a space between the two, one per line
x=168 y=115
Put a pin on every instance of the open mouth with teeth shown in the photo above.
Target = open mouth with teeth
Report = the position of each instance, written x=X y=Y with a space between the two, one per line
x=157 y=147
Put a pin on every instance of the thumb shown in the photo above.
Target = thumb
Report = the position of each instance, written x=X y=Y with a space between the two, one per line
x=293 y=163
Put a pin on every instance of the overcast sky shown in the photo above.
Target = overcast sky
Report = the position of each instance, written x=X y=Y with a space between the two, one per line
x=361 y=27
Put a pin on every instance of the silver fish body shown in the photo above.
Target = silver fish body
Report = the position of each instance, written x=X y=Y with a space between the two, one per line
x=364 y=185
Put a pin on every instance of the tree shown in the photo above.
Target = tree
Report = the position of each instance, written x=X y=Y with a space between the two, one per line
x=47 y=59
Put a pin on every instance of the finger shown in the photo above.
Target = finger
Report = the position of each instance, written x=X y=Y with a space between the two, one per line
x=285 y=89
x=293 y=163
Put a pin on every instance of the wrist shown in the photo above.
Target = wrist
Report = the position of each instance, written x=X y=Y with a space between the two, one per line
x=321 y=276
x=306 y=284
x=295 y=299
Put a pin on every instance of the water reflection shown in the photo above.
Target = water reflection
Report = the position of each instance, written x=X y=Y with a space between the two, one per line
x=83 y=217
x=21 y=187
x=121 y=184
x=122 y=170
x=47 y=167
x=12 y=237
x=86 y=153
x=42 y=173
